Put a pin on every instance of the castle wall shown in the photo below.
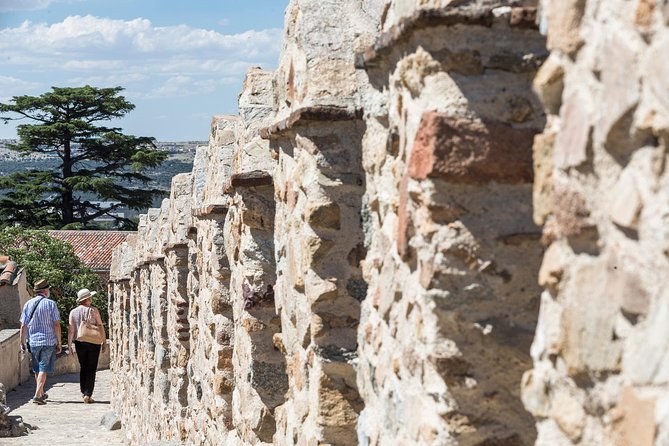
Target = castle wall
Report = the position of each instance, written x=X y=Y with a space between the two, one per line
x=437 y=222
x=452 y=251
x=600 y=358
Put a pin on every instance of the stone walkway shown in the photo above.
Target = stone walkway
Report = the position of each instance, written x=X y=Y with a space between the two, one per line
x=65 y=419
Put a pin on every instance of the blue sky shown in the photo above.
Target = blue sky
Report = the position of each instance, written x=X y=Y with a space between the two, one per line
x=180 y=61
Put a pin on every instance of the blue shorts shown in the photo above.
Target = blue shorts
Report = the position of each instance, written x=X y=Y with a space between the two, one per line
x=44 y=358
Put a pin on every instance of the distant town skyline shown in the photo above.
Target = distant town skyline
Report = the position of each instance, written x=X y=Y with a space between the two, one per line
x=179 y=62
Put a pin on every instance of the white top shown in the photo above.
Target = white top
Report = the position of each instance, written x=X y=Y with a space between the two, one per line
x=79 y=314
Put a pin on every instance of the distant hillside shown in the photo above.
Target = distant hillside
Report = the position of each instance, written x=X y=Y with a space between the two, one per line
x=180 y=160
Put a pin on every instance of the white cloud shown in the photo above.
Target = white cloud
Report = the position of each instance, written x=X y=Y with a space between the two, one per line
x=173 y=61
x=183 y=86
x=16 y=86
x=93 y=65
x=118 y=78
x=137 y=37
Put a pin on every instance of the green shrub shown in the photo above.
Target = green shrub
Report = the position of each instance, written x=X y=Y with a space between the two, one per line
x=44 y=257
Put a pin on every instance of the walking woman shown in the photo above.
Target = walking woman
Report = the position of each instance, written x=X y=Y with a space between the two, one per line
x=86 y=318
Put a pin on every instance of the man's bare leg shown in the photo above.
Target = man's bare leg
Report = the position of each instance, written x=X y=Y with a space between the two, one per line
x=40 y=378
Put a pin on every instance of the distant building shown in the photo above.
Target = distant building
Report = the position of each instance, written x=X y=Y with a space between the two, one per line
x=94 y=248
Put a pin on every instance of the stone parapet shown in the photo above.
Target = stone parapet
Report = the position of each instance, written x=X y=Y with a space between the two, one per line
x=354 y=258
x=452 y=251
x=14 y=367
x=601 y=371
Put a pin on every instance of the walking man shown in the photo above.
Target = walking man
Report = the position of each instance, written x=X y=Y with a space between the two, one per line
x=40 y=327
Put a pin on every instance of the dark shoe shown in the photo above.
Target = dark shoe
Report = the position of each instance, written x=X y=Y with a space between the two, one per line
x=41 y=401
x=45 y=396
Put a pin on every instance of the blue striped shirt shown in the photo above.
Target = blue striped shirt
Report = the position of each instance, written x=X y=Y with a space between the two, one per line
x=41 y=331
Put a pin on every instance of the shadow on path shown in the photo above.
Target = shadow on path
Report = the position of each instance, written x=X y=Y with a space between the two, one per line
x=65 y=419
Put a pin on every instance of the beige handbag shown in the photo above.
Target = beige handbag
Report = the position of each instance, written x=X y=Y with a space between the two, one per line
x=89 y=332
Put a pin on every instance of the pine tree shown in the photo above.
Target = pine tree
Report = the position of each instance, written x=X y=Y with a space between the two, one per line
x=96 y=160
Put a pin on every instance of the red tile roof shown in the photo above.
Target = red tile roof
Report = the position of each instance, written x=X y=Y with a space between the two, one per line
x=94 y=248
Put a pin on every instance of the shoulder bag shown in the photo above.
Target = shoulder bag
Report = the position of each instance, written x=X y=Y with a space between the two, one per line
x=89 y=332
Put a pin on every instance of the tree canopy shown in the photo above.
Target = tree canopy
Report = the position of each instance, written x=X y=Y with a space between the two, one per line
x=101 y=170
x=44 y=257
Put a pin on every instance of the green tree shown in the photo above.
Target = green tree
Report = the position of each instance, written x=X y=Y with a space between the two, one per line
x=44 y=257
x=101 y=169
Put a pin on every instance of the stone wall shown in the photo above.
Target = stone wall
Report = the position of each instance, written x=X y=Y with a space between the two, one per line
x=12 y=298
x=14 y=366
x=319 y=185
x=453 y=252
x=601 y=367
x=354 y=258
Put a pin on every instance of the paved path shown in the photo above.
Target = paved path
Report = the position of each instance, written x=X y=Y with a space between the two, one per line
x=65 y=419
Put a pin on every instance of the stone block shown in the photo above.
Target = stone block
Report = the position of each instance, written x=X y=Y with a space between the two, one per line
x=625 y=201
x=535 y=394
x=251 y=179
x=657 y=69
x=574 y=137
x=646 y=357
x=588 y=322
x=571 y=211
x=552 y=266
x=620 y=88
x=644 y=13
x=634 y=419
x=461 y=150
x=549 y=84
x=542 y=195
x=564 y=22
x=111 y=421
x=568 y=413
x=324 y=215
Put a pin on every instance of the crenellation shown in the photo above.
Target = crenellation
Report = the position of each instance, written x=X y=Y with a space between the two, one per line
x=437 y=222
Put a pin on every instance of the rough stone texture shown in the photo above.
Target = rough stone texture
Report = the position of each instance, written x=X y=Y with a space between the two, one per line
x=354 y=259
x=318 y=188
x=600 y=362
x=65 y=420
x=259 y=367
x=111 y=421
x=9 y=426
x=171 y=310
x=452 y=252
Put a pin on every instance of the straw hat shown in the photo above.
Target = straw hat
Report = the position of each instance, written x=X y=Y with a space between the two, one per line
x=84 y=294
x=41 y=285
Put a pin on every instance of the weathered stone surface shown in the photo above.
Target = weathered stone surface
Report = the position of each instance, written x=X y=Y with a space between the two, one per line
x=573 y=138
x=464 y=151
x=251 y=179
x=542 y=192
x=10 y=426
x=625 y=201
x=354 y=259
x=620 y=86
x=111 y=421
x=599 y=348
x=634 y=421
x=450 y=147
x=549 y=84
x=658 y=69
x=564 y=20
